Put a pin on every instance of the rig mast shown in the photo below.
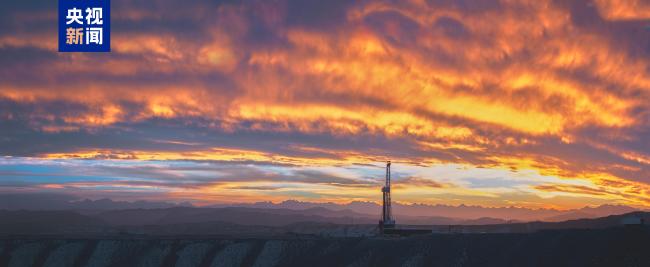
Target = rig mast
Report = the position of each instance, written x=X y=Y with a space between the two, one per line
x=387 y=221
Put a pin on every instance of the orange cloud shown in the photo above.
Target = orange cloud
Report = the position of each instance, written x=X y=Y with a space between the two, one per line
x=623 y=10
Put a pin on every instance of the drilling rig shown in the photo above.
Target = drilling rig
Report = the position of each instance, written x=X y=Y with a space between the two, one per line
x=387 y=221
x=387 y=225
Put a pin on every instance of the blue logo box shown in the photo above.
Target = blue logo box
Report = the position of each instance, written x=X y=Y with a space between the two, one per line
x=84 y=26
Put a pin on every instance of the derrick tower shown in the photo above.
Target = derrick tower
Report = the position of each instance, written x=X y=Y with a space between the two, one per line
x=387 y=220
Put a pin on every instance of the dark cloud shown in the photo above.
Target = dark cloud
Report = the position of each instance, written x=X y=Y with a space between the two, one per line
x=471 y=6
x=315 y=14
x=451 y=27
x=394 y=27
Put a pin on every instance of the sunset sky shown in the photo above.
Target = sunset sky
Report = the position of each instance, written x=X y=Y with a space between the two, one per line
x=480 y=102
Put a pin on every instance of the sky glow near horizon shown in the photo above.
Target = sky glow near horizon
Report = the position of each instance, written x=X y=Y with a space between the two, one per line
x=493 y=102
